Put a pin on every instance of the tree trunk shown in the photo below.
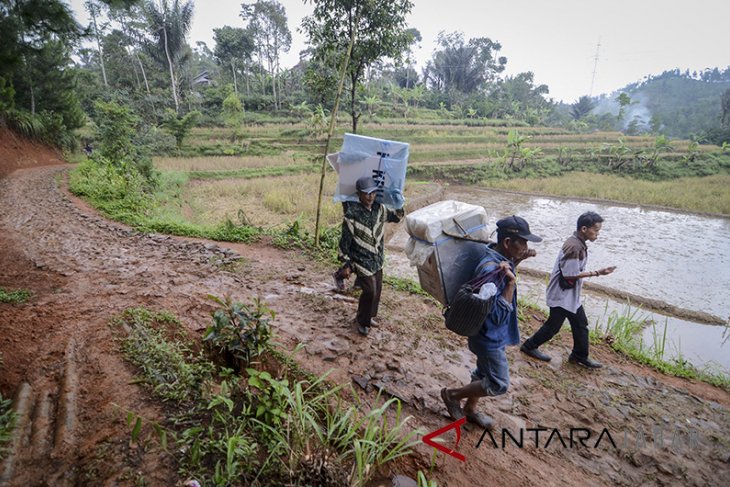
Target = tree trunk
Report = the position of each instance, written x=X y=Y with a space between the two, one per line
x=32 y=99
x=144 y=74
x=273 y=90
x=172 y=73
x=126 y=31
x=235 y=83
x=92 y=9
x=136 y=77
x=353 y=101
x=330 y=133
x=270 y=62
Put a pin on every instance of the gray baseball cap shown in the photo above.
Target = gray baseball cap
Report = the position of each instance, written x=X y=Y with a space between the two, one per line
x=366 y=184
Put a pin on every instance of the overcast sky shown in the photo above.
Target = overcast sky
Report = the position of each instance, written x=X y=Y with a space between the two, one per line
x=556 y=39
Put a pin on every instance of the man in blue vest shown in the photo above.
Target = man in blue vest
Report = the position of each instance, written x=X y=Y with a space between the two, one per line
x=491 y=376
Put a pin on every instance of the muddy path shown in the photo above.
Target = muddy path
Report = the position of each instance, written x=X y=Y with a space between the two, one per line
x=65 y=369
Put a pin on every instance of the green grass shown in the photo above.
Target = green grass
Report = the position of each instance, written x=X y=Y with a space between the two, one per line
x=7 y=423
x=623 y=334
x=168 y=367
x=18 y=296
x=258 y=428
x=406 y=285
x=702 y=194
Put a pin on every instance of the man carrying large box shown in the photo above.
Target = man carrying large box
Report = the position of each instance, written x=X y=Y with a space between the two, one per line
x=362 y=248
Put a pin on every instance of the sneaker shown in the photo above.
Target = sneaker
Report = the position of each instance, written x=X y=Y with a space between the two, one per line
x=339 y=281
x=535 y=353
x=585 y=362
x=363 y=330
x=373 y=322
x=452 y=406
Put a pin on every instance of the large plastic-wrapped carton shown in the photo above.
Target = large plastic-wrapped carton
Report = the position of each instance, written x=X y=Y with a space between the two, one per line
x=384 y=160
x=447 y=241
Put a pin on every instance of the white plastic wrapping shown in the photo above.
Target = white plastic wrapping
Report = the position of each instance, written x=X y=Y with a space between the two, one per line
x=417 y=251
x=430 y=222
x=384 y=160
x=445 y=261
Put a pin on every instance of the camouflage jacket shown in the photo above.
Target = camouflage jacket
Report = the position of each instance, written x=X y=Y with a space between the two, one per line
x=361 y=244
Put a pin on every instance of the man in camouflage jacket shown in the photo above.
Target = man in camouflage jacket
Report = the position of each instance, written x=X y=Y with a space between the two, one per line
x=362 y=248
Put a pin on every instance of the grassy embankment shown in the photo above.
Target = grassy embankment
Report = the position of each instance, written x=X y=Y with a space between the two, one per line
x=623 y=333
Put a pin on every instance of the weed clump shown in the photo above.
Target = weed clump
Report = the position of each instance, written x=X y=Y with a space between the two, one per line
x=18 y=296
x=266 y=422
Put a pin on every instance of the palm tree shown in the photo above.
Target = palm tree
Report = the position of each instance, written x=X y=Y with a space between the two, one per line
x=169 y=26
x=582 y=107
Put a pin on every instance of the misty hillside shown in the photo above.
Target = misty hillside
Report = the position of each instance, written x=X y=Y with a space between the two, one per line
x=678 y=104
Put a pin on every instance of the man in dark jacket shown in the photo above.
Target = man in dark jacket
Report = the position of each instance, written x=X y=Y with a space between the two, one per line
x=491 y=376
x=362 y=249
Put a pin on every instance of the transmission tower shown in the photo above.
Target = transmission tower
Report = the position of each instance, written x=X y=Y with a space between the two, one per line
x=595 y=65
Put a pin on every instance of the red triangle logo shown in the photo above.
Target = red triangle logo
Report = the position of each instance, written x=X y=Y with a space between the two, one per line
x=428 y=439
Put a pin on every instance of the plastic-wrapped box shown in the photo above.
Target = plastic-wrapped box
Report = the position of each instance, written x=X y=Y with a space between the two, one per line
x=448 y=217
x=448 y=239
x=384 y=160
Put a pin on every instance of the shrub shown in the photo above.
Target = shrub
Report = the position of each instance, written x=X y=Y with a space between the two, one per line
x=240 y=332
x=14 y=297
x=116 y=190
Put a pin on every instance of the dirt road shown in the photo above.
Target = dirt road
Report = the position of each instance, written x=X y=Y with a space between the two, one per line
x=61 y=362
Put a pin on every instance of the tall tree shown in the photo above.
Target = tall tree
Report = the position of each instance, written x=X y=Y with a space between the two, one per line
x=582 y=107
x=405 y=72
x=725 y=105
x=517 y=96
x=623 y=101
x=131 y=20
x=35 y=44
x=267 y=24
x=233 y=45
x=94 y=9
x=380 y=32
x=169 y=25
x=462 y=66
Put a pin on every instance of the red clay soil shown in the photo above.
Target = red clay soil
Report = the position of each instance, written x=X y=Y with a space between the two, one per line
x=63 y=365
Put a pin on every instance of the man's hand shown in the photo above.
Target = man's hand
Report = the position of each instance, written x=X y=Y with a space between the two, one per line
x=505 y=268
x=606 y=270
x=510 y=280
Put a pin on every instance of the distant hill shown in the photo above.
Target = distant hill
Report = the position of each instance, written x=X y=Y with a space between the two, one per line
x=675 y=103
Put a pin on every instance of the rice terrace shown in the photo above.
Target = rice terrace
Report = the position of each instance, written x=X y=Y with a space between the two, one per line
x=171 y=228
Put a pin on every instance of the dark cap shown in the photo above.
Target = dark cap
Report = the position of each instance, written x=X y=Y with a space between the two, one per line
x=366 y=184
x=515 y=226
